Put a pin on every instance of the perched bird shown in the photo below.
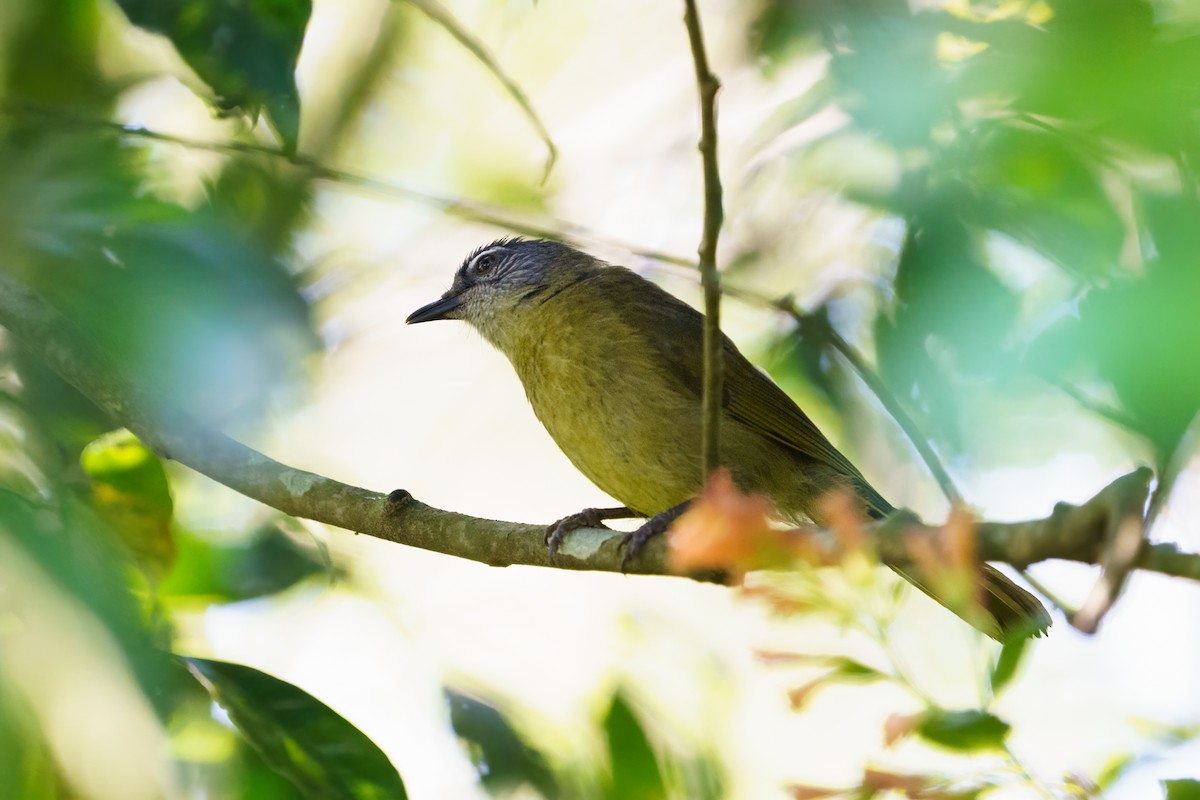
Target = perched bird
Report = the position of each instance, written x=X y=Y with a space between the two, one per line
x=612 y=366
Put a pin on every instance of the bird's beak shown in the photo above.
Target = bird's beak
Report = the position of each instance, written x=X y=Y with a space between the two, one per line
x=442 y=308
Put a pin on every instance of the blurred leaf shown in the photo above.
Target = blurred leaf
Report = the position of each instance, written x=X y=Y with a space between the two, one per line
x=789 y=114
x=55 y=411
x=842 y=670
x=1114 y=769
x=68 y=543
x=944 y=288
x=968 y=730
x=1182 y=789
x=1117 y=71
x=263 y=199
x=1037 y=187
x=1137 y=334
x=877 y=56
x=180 y=300
x=785 y=29
x=1005 y=668
x=724 y=529
x=266 y=561
x=50 y=56
x=635 y=769
x=501 y=757
x=851 y=671
x=779 y=30
x=246 y=50
x=702 y=778
x=879 y=52
x=909 y=785
x=951 y=317
x=131 y=494
x=313 y=746
x=501 y=185
x=898 y=726
x=214 y=759
x=805 y=350
x=27 y=768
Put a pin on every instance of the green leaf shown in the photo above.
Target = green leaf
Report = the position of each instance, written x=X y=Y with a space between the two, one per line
x=74 y=550
x=635 y=770
x=51 y=56
x=780 y=31
x=803 y=355
x=851 y=671
x=502 y=759
x=182 y=299
x=1007 y=662
x=1041 y=189
x=1113 y=770
x=265 y=561
x=1137 y=334
x=130 y=492
x=968 y=730
x=27 y=766
x=950 y=319
x=1182 y=789
x=246 y=50
x=299 y=736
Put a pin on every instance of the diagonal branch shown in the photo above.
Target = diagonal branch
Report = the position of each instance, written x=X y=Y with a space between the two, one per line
x=1078 y=533
x=442 y=16
x=875 y=383
x=714 y=215
x=396 y=517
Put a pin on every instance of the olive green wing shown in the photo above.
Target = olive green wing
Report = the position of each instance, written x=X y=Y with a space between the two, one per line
x=758 y=403
x=674 y=330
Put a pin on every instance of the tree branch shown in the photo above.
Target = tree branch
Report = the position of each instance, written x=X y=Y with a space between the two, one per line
x=396 y=517
x=1077 y=533
x=714 y=214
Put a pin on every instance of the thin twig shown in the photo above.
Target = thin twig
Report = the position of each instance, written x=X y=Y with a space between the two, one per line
x=1045 y=591
x=442 y=16
x=874 y=382
x=890 y=402
x=714 y=214
x=1101 y=409
x=475 y=211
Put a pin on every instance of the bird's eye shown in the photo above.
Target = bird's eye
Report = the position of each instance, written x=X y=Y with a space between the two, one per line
x=484 y=264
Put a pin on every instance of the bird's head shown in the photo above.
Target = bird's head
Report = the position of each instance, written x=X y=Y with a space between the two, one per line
x=499 y=280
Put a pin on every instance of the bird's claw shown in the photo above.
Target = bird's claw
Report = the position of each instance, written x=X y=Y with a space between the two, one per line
x=632 y=543
x=557 y=532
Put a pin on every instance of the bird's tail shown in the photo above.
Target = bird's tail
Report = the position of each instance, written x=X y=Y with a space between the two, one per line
x=1016 y=612
x=1005 y=610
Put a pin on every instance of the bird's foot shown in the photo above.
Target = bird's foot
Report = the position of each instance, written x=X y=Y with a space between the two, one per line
x=632 y=543
x=588 y=518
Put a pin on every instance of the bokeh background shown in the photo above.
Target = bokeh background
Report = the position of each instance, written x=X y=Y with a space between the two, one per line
x=995 y=203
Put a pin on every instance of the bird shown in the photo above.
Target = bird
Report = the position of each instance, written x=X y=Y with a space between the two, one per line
x=611 y=364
